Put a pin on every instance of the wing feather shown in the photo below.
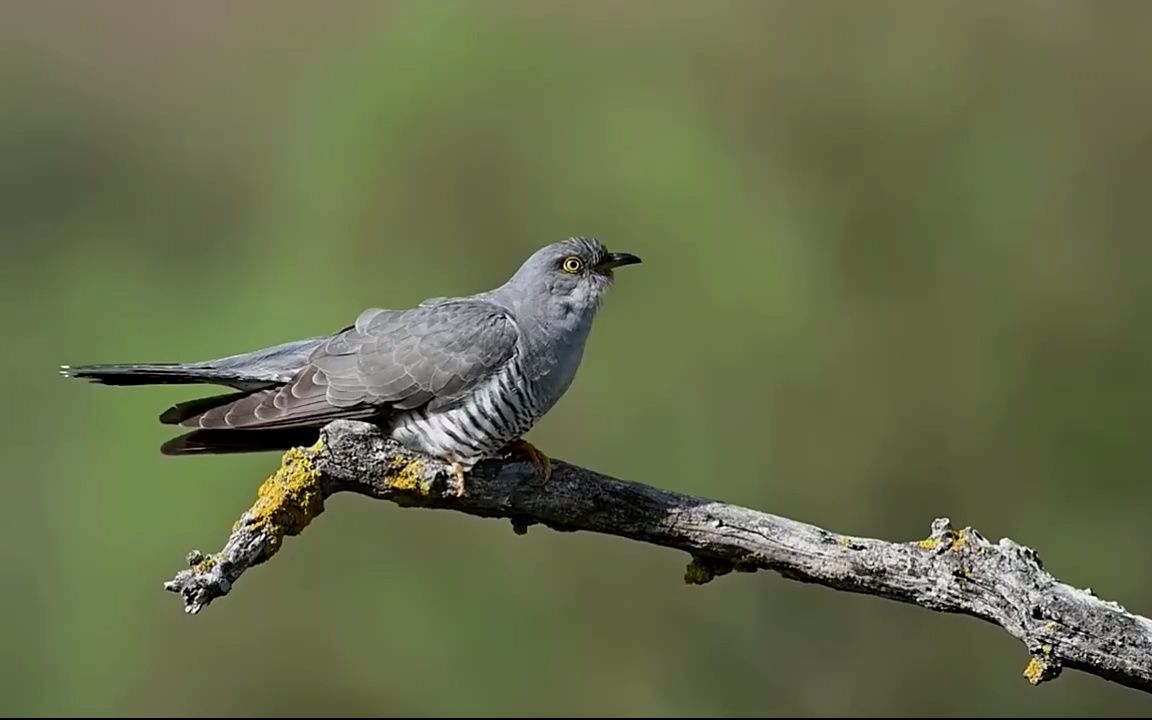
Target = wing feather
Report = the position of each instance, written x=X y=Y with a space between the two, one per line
x=387 y=360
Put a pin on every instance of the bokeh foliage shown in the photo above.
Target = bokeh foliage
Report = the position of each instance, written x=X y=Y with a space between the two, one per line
x=896 y=267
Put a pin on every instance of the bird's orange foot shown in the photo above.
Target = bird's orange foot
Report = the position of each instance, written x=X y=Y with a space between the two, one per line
x=540 y=460
x=457 y=483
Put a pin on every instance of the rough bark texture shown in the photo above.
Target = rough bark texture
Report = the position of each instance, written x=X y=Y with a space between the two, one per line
x=952 y=570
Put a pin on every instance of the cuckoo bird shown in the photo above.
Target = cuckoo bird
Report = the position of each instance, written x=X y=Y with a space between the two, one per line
x=457 y=378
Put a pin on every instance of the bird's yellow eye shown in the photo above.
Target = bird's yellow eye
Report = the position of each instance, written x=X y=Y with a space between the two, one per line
x=573 y=265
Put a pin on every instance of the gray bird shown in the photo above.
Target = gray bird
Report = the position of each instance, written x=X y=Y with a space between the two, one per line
x=458 y=378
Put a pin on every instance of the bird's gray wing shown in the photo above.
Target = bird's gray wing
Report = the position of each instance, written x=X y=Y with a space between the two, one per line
x=388 y=360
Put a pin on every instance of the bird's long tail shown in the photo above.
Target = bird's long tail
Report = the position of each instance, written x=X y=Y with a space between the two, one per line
x=172 y=374
x=245 y=371
x=149 y=374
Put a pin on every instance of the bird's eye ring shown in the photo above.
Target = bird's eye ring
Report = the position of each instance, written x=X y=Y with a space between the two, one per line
x=573 y=265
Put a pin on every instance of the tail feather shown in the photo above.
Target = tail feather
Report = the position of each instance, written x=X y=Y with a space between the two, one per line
x=246 y=374
x=162 y=374
x=190 y=409
x=131 y=374
x=245 y=371
x=224 y=442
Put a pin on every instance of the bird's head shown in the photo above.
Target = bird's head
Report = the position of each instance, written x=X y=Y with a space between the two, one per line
x=568 y=278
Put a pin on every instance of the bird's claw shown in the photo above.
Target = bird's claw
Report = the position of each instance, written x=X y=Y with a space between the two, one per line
x=456 y=485
x=524 y=448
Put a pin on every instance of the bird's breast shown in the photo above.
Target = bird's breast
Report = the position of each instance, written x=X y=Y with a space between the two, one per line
x=478 y=425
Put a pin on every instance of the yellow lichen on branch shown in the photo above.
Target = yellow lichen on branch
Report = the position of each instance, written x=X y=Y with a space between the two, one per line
x=697 y=573
x=406 y=479
x=959 y=540
x=289 y=499
x=1035 y=671
x=1039 y=671
x=953 y=540
x=701 y=571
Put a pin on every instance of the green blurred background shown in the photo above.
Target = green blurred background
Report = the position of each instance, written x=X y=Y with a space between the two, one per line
x=896 y=267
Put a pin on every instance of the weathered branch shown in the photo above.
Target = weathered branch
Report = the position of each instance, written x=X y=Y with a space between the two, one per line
x=954 y=571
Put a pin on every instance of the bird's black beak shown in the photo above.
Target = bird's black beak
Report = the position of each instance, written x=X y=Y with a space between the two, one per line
x=615 y=260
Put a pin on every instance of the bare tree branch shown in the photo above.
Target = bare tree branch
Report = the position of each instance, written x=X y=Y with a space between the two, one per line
x=953 y=571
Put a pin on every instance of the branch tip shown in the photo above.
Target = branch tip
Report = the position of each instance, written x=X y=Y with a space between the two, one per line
x=286 y=502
